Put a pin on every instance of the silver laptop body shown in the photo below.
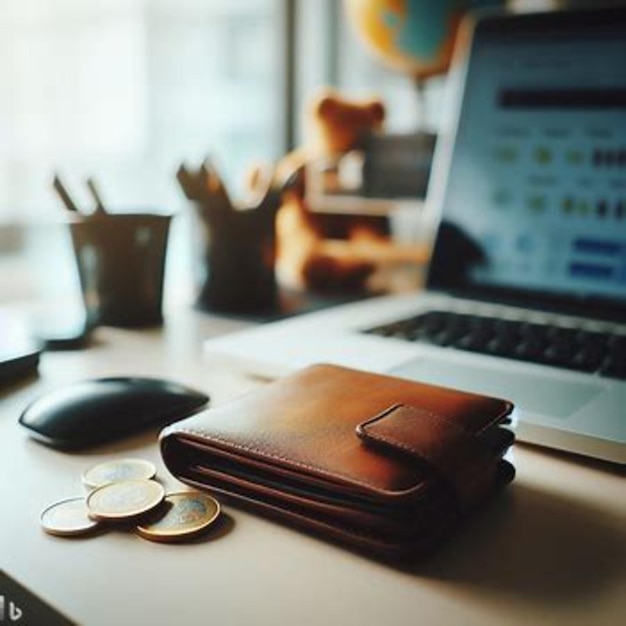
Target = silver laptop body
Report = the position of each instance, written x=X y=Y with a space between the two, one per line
x=530 y=188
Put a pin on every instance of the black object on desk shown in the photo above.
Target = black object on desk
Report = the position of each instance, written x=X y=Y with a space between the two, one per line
x=236 y=244
x=98 y=411
x=16 y=364
x=121 y=263
x=19 y=353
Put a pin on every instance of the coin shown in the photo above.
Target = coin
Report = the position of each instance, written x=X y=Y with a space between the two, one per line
x=187 y=514
x=124 y=500
x=67 y=518
x=115 y=471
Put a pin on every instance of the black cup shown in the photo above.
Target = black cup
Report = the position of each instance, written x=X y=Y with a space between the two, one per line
x=121 y=264
x=236 y=253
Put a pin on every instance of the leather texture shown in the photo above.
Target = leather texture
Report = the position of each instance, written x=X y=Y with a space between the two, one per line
x=379 y=463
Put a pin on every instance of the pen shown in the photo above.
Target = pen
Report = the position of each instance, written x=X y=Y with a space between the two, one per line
x=189 y=183
x=91 y=184
x=213 y=188
x=64 y=195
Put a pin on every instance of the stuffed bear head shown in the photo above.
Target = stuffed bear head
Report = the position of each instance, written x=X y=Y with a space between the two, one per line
x=339 y=125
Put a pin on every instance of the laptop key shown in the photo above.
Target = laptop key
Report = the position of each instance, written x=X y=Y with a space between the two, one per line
x=589 y=358
x=614 y=366
x=560 y=355
x=530 y=349
x=500 y=346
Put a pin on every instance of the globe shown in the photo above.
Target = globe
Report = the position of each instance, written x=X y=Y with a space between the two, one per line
x=413 y=36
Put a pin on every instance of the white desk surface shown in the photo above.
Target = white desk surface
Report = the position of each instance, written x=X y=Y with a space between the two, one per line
x=552 y=550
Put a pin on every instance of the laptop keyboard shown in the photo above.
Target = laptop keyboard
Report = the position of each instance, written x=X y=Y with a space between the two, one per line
x=571 y=348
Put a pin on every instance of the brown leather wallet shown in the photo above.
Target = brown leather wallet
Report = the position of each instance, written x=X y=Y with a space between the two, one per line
x=378 y=463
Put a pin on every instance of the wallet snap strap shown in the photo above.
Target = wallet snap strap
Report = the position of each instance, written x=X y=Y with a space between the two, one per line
x=451 y=451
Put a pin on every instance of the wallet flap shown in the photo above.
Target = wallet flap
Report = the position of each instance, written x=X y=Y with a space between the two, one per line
x=454 y=453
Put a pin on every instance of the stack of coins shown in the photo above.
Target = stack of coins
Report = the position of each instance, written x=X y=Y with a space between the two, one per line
x=126 y=491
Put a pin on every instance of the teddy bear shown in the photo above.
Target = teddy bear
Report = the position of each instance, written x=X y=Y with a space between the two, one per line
x=335 y=126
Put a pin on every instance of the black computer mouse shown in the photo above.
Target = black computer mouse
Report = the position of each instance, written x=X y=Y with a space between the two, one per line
x=101 y=410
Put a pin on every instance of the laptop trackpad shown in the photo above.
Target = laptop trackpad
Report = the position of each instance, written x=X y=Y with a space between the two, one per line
x=543 y=394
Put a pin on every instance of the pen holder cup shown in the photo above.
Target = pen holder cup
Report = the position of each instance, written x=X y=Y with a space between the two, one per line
x=121 y=264
x=235 y=252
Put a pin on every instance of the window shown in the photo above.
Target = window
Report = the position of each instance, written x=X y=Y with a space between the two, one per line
x=124 y=90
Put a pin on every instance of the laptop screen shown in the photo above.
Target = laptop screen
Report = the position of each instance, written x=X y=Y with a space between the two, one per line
x=535 y=203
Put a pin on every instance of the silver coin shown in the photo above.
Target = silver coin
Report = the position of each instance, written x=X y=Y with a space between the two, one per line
x=67 y=518
x=118 y=470
x=124 y=500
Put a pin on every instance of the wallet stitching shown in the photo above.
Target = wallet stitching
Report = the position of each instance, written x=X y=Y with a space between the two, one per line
x=436 y=416
x=380 y=416
x=393 y=441
x=311 y=468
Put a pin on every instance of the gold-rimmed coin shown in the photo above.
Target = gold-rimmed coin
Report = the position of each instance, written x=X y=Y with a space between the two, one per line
x=185 y=515
x=124 y=500
x=67 y=518
x=118 y=470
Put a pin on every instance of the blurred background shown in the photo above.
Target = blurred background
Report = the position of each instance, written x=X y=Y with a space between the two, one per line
x=125 y=90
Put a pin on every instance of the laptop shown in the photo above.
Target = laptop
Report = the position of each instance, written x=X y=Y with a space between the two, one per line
x=526 y=290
